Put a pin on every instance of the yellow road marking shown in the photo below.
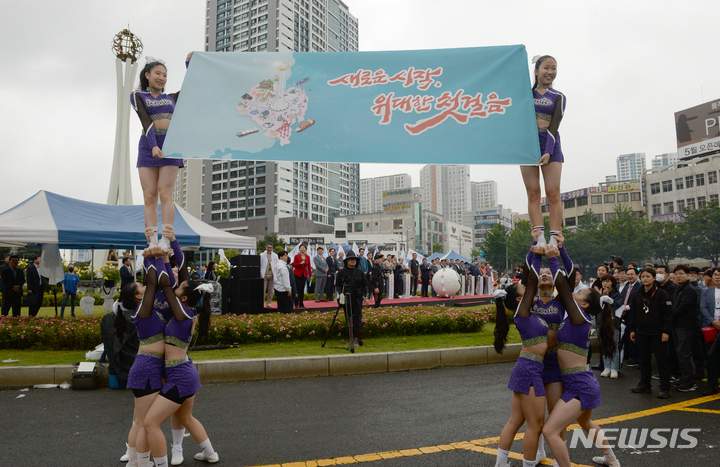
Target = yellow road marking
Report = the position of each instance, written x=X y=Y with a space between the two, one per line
x=479 y=445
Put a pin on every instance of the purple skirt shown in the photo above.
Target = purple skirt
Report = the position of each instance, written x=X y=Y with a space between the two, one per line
x=557 y=155
x=185 y=376
x=551 y=369
x=145 y=158
x=527 y=373
x=583 y=386
x=146 y=368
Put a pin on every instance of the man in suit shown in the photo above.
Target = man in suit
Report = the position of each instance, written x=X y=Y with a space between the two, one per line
x=332 y=271
x=376 y=279
x=126 y=273
x=35 y=285
x=632 y=286
x=321 y=272
x=13 y=280
x=268 y=263
x=414 y=268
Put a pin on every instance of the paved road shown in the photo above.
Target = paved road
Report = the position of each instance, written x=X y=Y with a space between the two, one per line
x=425 y=418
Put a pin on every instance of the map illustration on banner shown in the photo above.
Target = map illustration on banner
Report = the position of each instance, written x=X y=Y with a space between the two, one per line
x=453 y=106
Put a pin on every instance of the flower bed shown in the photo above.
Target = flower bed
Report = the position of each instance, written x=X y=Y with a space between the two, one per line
x=84 y=333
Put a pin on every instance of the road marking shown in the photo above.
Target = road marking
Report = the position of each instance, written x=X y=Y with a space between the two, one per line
x=481 y=445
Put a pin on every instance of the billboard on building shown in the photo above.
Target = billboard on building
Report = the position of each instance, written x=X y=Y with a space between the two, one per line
x=698 y=130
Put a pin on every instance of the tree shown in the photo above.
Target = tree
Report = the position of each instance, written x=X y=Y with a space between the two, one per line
x=625 y=235
x=474 y=253
x=437 y=248
x=494 y=250
x=277 y=243
x=668 y=241
x=583 y=242
x=519 y=242
x=702 y=232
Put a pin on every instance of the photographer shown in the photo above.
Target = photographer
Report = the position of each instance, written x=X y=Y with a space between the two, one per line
x=377 y=279
x=352 y=281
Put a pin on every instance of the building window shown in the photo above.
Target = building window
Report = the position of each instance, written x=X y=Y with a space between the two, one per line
x=654 y=188
x=712 y=177
x=609 y=216
x=570 y=221
x=596 y=199
x=597 y=218
x=610 y=199
x=569 y=203
x=635 y=196
x=582 y=201
x=397 y=224
x=259 y=212
x=714 y=198
x=679 y=184
x=623 y=197
x=340 y=234
x=691 y=204
x=666 y=186
x=689 y=182
x=681 y=205
x=701 y=202
x=656 y=209
x=700 y=179
x=668 y=207
x=216 y=217
x=358 y=226
x=545 y=208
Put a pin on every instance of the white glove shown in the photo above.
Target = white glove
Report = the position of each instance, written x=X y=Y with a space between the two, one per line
x=606 y=299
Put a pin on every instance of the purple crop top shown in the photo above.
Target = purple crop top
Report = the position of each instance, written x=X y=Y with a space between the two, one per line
x=575 y=338
x=179 y=333
x=545 y=107
x=552 y=312
x=152 y=328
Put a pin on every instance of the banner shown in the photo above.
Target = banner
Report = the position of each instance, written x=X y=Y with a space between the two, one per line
x=698 y=130
x=450 y=106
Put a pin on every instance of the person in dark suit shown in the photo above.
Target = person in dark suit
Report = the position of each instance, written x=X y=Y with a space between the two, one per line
x=332 y=271
x=376 y=279
x=126 y=273
x=632 y=357
x=13 y=280
x=35 y=285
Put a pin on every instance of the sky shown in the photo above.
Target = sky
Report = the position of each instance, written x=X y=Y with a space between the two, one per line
x=625 y=66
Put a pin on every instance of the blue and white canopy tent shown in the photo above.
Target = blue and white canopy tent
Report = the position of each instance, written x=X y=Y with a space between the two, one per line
x=452 y=255
x=47 y=218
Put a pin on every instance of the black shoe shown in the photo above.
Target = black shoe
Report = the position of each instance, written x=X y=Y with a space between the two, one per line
x=631 y=363
x=686 y=387
x=600 y=367
x=641 y=389
x=710 y=391
x=664 y=394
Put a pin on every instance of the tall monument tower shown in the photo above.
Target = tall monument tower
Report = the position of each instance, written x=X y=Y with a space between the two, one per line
x=280 y=103
x=127 y=48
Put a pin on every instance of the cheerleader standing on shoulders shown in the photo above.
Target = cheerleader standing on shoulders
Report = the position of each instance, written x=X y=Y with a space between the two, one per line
x=157 y=173
x=582 y=390
x=549 y=110
x=183 y=381
x=526 y=380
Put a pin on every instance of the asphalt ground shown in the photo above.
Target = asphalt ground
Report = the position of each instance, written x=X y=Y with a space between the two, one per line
x=441 y=417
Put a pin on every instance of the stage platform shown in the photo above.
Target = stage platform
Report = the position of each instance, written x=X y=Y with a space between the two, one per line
x=457 y=301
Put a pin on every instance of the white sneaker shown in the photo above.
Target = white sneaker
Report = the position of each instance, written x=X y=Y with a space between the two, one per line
x=177 y=455
x=539 y=457
x=602 y=461
x=202 y=457
x=164 y=243
x=126 y=456
x=605 y=373
x=614 y=374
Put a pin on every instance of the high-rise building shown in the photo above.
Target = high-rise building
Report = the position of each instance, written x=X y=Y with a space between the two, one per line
x=662 y=160
x=484 y=194
x=446 y=190
x=630 y=166
x=261 y=197
x=371 y=190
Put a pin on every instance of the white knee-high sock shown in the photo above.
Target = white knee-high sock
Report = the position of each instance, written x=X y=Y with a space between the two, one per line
x=527 y=463
x=609 y=454
x=161 y=461
x=541 y=447
x=502 y=458
x=132 y=456
x=143 y=459
x=178 y=436
x=207 y=448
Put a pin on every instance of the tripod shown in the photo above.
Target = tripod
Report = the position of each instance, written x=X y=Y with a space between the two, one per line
x=348 y=319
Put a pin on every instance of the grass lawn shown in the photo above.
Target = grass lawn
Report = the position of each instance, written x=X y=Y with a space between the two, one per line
x=272 y=350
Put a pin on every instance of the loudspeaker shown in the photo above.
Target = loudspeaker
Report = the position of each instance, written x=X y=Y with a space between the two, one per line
x=245 y=272
x=245 y=260
x=242 y=295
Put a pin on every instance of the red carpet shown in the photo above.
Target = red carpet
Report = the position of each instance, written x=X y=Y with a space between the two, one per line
x=467 y=300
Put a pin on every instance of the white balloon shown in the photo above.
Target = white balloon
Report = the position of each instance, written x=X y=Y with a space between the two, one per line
x=446 y=283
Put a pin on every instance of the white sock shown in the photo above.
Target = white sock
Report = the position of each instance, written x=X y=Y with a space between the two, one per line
x=609 y=454
x=132 y=456
x=161 y=461
x=207 y=448
x=178 y=437
x=502 y=458
x=143 y=459
x=154 y=239
x=541 y=239
x=527 y=463
x=541 y=446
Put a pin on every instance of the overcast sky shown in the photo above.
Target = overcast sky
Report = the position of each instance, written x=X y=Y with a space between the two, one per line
x=625 y=67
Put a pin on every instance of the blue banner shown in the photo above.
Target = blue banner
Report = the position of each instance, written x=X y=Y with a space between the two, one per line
x=448 y=106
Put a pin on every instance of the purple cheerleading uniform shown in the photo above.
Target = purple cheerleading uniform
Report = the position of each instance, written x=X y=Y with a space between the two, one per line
x=553 y=313
x=545 y=105
x=579 y=382
x=181 y=373
x=149 y=109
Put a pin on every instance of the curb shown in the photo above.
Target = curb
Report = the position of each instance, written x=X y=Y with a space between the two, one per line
x=254 y=369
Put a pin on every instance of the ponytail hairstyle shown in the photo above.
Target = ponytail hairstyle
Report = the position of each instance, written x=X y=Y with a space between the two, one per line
x=502 y=327
x=538 y=62
x=144 y=83
x=194 y=295
x=606 y=332
x=125 y=302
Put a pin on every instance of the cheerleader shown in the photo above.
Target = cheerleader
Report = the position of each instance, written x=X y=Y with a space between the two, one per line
x=526 y=380
x=183 y=381
x=549 y=110
x=581 y=389
x=157 y=173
